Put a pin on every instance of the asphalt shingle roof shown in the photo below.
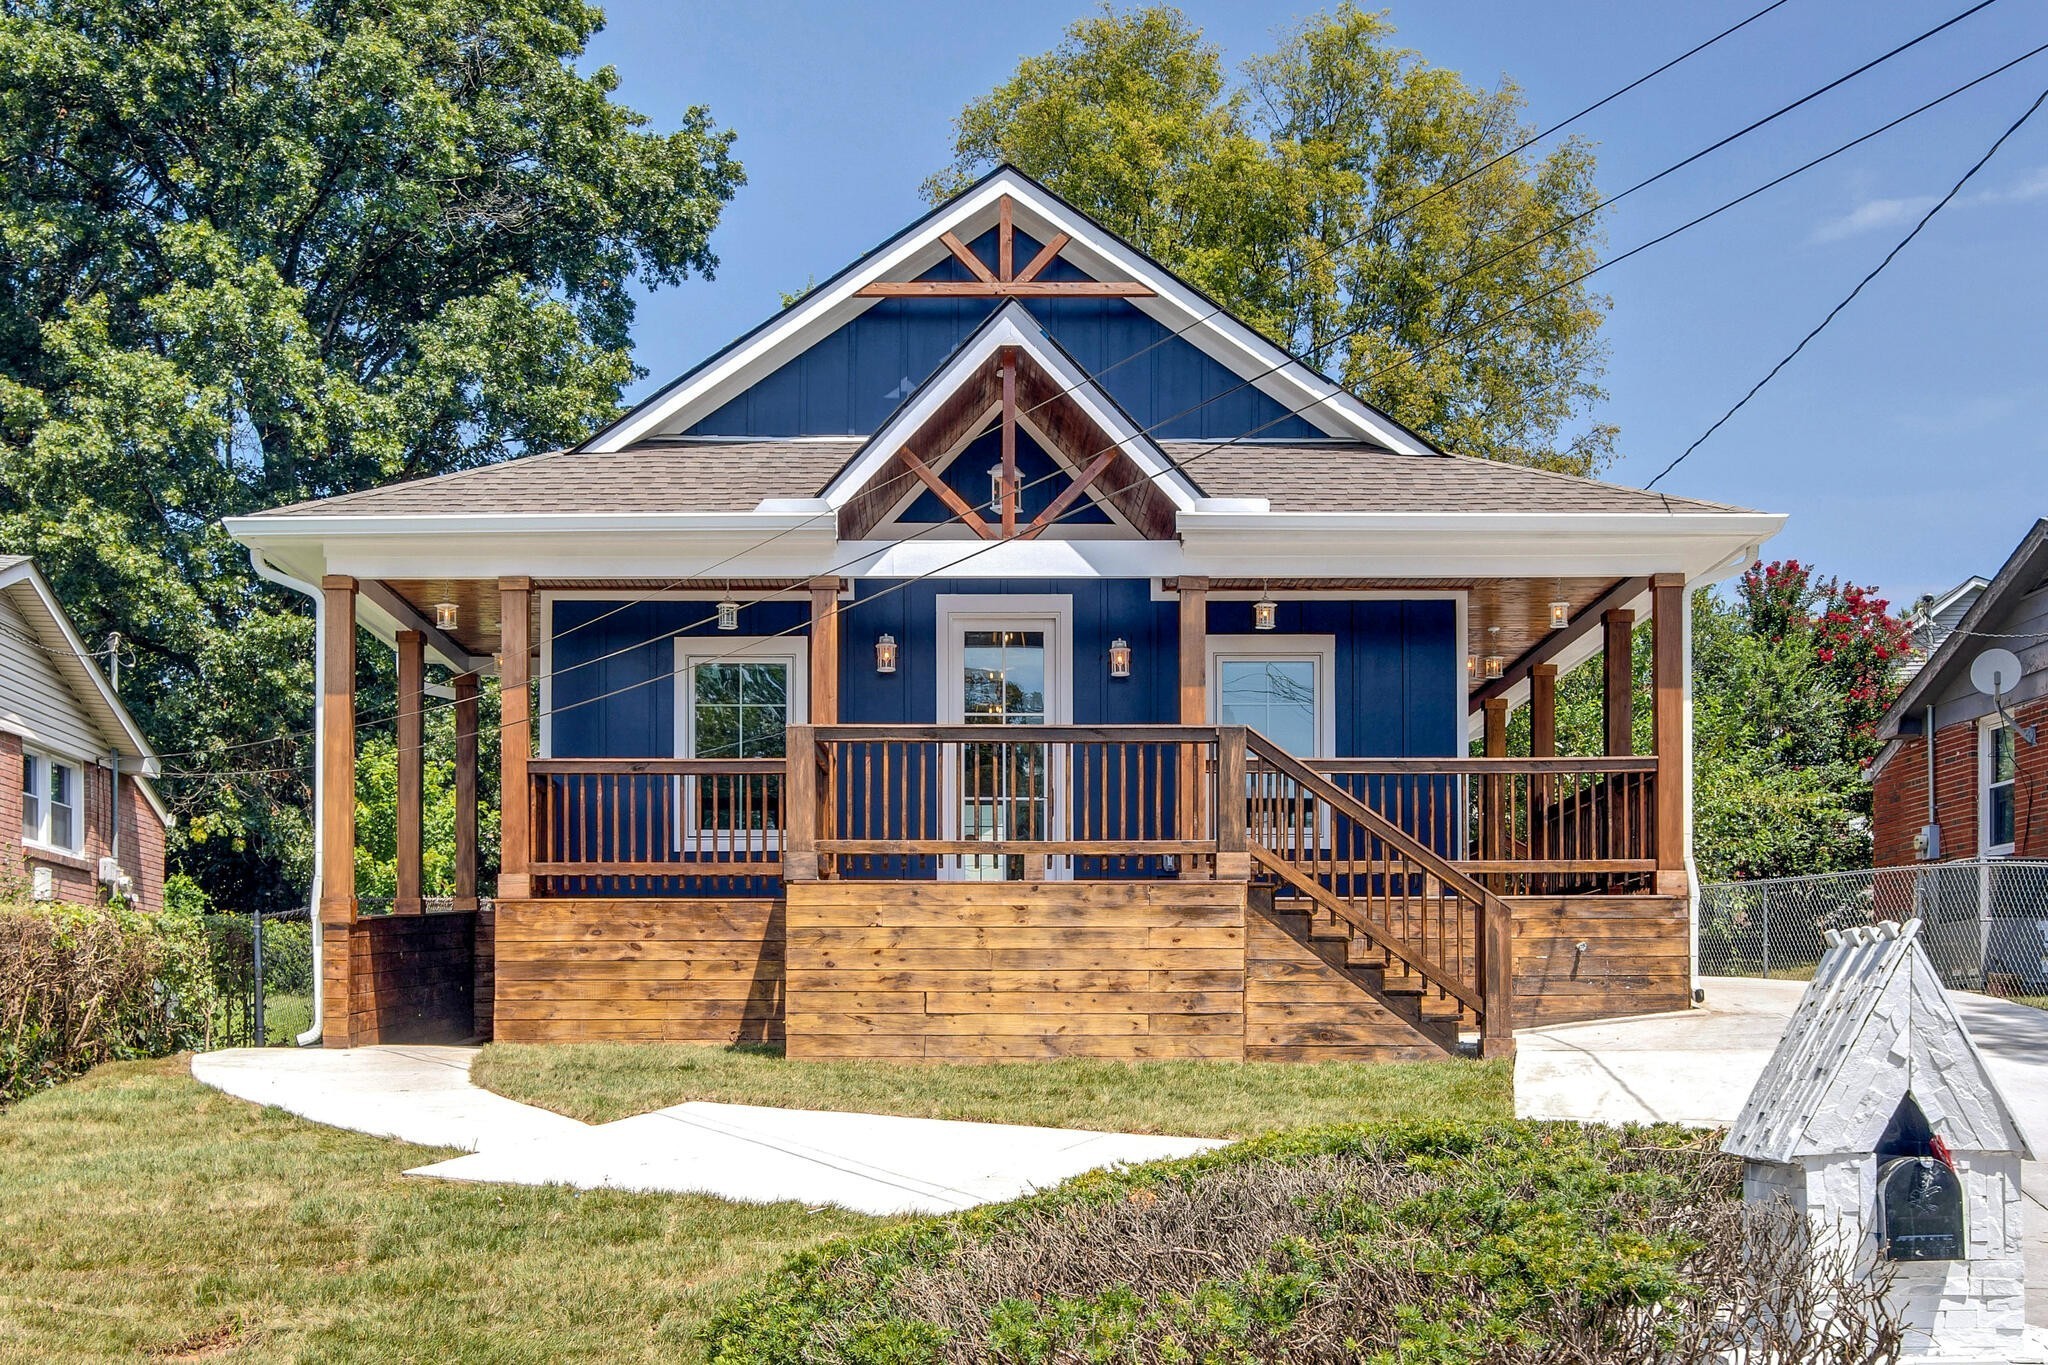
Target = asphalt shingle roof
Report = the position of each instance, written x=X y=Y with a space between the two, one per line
x=702 y=475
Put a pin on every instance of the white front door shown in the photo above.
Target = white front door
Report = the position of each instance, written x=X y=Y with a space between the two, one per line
x=1004 y=661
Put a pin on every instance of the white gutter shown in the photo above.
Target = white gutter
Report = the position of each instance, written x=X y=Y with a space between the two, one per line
x=284 y=580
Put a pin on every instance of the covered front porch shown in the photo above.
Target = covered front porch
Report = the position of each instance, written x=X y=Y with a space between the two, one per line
x=1000 y=878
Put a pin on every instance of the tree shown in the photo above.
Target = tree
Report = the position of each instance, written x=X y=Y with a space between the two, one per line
x=255 y=251
x=1299 y=197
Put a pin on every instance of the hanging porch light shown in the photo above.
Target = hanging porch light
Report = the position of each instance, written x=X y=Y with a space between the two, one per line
x=1265 y=611
x=445 y=615
x=728 y=615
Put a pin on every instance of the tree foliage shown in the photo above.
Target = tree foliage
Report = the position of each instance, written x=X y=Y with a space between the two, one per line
x=1297 y=194
x=255 y=251
x=1791 y=674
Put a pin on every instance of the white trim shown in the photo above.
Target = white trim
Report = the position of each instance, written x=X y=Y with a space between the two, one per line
x=953 y=613
x=42 y=761
x=917 y=248
x=1320 y=650
x=1987 y=729
x=1011 y=325
x=791 y=651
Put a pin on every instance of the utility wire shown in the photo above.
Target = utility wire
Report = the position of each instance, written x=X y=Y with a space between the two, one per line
x=1481 y=325
x=1850 y=297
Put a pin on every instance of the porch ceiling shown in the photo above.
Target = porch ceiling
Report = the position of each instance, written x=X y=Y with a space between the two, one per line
x=477 y=600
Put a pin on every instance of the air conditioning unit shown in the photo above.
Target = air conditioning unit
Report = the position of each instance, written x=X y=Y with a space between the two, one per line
x=42 y=884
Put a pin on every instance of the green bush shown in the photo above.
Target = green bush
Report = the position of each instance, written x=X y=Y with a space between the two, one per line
x=1425 y=1245
x=80 y=985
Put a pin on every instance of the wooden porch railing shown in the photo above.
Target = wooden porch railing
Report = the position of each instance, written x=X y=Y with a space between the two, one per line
x=1522 y=826
x=611 y=825
x=1386 y=883
x=1009 y=802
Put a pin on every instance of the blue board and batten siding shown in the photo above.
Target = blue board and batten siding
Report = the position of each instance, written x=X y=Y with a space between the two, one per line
x=848 y=383
x=612 y=690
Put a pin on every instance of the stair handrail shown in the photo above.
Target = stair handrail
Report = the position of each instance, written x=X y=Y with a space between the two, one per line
x=1493 y=946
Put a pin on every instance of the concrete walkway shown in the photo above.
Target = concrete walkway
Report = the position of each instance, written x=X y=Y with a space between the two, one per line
x=1697 y=1067
x=869 y=1163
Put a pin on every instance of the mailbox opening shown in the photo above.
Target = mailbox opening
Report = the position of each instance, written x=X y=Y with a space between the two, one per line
x=1919 y=1198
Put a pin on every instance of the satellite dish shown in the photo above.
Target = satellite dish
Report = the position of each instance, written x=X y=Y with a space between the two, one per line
x=1995 y=672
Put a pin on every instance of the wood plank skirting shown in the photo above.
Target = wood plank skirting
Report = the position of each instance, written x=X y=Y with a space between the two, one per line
x=1637 y=957
x=402 y=979
x=639 y=970
x=991 y=971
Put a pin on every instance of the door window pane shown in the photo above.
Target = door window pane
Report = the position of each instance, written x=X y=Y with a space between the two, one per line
x=1276 y=697
x=1005 y=789
x=740 y=710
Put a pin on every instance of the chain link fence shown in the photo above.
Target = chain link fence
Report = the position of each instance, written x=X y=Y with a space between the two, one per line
x=1984 y=924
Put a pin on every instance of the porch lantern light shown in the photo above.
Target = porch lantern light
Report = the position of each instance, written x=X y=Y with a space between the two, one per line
x=1471 y=666
x=728 y=615
x=885 y=653
x=1265 y=614
x=1494 y=665
x=1119 y=658
x=445 y=615
x=1560 y=615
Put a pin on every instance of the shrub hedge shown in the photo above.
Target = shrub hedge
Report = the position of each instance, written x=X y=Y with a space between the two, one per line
x=1431 y=1245
x=80 y=985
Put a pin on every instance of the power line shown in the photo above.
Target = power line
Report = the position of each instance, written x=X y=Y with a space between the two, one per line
x=1181 y=465
x=1850 y=297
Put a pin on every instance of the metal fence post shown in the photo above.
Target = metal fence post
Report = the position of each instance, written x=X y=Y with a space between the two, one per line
x=261 y=1038
x=1767 y=931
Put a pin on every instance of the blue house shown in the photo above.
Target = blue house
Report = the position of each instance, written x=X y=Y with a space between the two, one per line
x=1004 y=652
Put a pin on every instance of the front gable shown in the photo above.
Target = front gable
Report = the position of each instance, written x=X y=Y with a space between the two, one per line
x=838 y=361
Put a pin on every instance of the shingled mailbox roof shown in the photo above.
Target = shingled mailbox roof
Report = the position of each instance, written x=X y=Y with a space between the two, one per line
x=1836 y=1079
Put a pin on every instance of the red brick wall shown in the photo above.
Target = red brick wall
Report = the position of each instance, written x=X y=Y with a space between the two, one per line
x=77 y=878
x=1899 y=798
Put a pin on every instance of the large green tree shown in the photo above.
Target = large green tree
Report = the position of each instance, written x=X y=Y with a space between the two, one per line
x=1300 y=193
x=253 y=251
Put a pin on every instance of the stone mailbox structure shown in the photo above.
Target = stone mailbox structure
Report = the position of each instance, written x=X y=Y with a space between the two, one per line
x=1878 y=1119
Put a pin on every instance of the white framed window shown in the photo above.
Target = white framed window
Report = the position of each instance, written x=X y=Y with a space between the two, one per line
x=52 y=803
x=1283 y=686
x=736 y=696
x=1997 y=767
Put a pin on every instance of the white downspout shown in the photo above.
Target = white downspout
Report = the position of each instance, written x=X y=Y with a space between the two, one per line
x=284 y=580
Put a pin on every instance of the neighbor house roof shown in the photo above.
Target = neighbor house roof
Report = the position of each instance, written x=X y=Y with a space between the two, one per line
x=706 y=474
x=35 y=602
x=1836 y=1078
x=2023 y=572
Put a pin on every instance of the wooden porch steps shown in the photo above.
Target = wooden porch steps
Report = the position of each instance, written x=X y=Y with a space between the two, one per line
x=1312 y=994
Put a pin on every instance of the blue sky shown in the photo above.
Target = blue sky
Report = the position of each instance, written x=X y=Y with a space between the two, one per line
x=1908 y=443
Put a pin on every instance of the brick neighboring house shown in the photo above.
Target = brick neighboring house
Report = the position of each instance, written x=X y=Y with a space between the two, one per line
x=73 y=745
x=1988 y=782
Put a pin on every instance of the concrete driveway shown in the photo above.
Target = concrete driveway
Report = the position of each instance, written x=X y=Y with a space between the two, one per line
x=1697 y=1068
x=869 y=1163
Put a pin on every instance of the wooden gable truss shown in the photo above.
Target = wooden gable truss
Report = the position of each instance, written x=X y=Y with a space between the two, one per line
x=1005 y=281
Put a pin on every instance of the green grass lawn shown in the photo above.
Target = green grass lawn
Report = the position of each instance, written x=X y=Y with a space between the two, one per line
x=143 y=1215
x=599 y=1082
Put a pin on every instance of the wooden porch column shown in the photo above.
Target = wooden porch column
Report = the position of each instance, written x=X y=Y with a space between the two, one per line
x=412 y=701
x=1194 y=710
x=465 y=791
x=824 y=651
x=1493 y=841
x=337 y=805
x=515 y=737
x=1618 y=677
x=1668 y=688
x=1543 y=711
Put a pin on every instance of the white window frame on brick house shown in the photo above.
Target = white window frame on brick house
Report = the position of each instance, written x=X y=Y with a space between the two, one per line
x=1988 y=732
x=36 y=829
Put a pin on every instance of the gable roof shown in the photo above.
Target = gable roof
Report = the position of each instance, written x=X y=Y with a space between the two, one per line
x=2022 y=572
x=1091 y=247
x=26 y=588
x=1833 y=1084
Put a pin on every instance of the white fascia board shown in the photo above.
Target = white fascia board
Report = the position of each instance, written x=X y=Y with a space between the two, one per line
x=1012 y=558
x=1469 y=544
x=1173 y=305
x=75 y=664
x=1011 y=326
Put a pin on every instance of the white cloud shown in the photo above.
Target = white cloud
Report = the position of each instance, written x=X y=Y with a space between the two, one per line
x=1872 y=215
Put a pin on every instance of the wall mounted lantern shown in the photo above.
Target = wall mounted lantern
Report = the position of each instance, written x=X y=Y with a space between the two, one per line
x=1119 y=658
x=885 y=653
